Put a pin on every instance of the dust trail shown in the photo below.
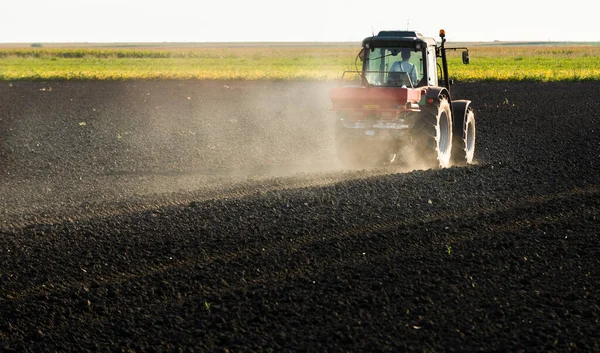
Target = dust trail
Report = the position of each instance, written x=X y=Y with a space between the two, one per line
x=412 y=158
x=83 y=146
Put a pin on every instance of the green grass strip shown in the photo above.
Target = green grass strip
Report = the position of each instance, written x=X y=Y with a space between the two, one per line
x=493 y=63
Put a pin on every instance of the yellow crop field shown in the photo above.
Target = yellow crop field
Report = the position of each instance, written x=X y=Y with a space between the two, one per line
x=263 y=62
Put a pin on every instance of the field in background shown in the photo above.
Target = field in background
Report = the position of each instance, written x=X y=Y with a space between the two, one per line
x=282 y=61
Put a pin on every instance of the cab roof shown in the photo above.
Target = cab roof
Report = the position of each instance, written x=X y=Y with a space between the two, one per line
x=396 y=39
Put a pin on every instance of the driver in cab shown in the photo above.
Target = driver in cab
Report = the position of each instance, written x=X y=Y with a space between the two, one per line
x=406 y=66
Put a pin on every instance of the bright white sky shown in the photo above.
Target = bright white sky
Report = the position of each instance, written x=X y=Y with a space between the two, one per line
x=299 y=20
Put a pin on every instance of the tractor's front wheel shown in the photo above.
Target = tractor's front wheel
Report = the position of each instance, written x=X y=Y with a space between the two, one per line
x=432 y=135
x=464 y=143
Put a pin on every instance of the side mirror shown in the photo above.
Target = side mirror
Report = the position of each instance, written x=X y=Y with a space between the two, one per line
x=465 y=57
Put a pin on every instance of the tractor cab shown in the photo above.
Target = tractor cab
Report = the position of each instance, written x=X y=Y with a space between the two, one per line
x=405 y=59
x=399 y=58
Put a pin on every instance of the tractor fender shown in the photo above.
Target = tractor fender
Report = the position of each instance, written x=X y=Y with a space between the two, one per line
x=460 y=108
x=437 y=92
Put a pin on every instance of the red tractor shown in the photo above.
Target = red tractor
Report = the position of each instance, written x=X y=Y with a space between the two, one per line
x=401 y=98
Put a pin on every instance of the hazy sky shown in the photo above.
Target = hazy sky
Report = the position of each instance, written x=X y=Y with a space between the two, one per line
x=298 y=20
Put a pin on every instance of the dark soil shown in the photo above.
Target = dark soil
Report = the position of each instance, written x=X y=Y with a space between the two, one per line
x=213 y=216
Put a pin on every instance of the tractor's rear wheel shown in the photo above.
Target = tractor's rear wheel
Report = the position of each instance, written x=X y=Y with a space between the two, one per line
x=463 y=144
x=432 y=135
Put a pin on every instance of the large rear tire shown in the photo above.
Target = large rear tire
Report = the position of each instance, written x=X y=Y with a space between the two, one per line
x=464 y=143
x=432 y=135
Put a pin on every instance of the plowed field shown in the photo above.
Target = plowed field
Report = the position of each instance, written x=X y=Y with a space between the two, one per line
x=213 y=216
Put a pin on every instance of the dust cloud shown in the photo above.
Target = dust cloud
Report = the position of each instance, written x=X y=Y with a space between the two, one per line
x=103 y=144
x=218 y=134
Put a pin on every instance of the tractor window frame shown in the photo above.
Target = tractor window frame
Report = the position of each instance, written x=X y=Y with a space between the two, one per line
x=377 y=63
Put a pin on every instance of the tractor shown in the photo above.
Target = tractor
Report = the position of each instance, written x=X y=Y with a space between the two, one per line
x=400 y=100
